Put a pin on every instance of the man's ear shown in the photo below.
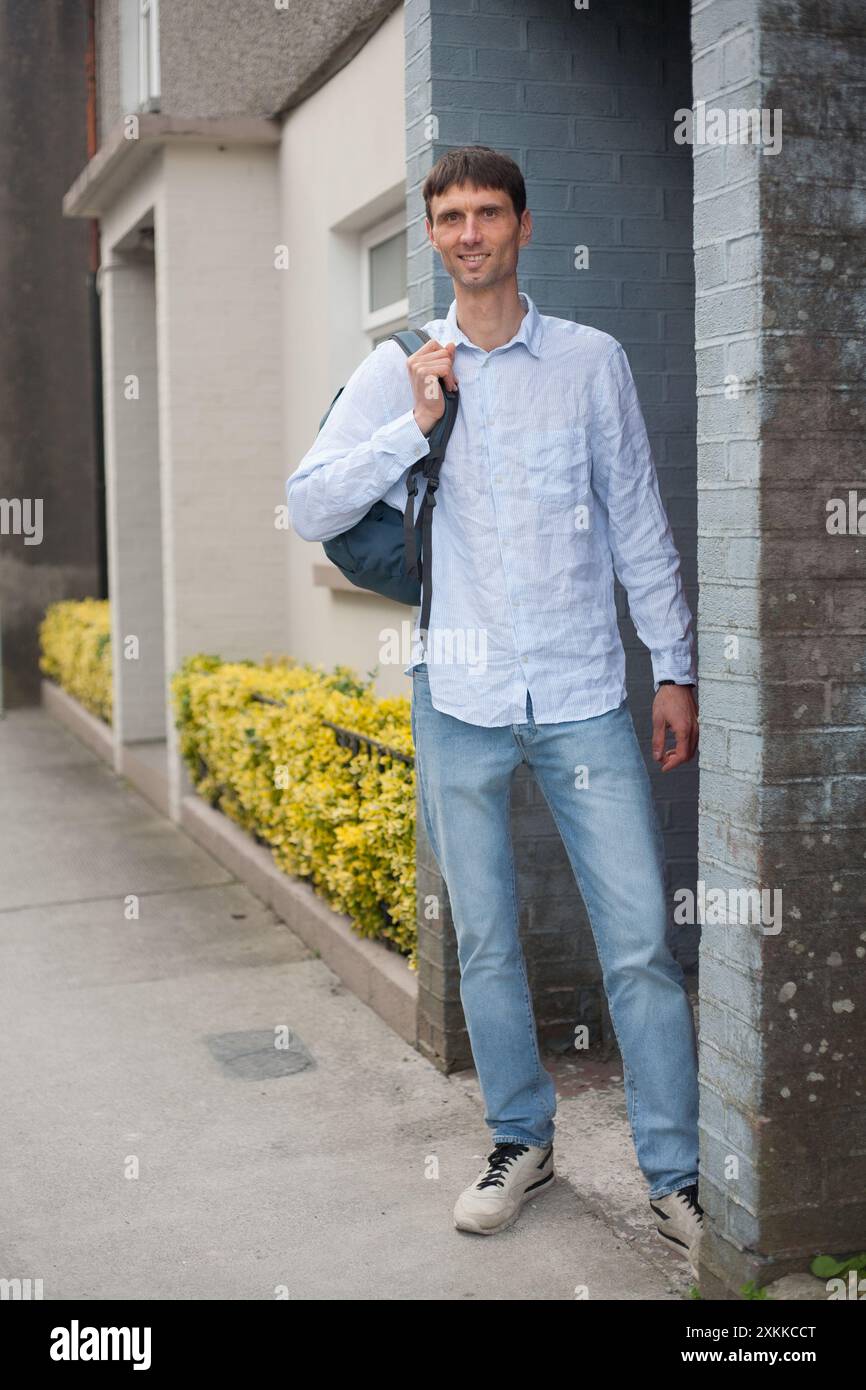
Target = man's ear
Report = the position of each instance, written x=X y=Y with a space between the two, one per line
x=525 y=226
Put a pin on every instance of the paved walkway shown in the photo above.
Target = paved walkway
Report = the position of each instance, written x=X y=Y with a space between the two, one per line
x=149 y=1151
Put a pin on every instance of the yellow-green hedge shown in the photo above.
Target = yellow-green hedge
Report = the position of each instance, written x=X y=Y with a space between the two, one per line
x=75 y=651
x=329 y=815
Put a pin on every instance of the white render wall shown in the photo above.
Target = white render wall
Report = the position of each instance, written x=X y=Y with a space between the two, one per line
x=342 y=170
x=132 y=497
x=218 y=307
x=220 y=455
x=132 y=467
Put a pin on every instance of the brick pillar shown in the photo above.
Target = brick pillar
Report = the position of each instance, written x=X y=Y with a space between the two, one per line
x=779 y=251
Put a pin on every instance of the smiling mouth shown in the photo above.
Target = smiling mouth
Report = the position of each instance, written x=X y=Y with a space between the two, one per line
x=473 y=261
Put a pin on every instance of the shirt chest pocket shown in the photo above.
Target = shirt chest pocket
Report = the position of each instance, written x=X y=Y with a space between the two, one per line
x=532 y=467
x=557 y=464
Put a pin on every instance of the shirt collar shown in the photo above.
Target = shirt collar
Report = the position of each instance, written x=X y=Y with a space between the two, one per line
x=529 y=332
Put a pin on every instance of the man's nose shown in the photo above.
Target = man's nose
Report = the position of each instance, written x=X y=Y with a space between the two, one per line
x=471 y=231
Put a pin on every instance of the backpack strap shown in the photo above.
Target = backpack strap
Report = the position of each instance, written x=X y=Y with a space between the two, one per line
x=410 y=340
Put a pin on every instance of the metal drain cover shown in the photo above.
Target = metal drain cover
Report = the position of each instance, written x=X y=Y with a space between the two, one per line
x=254 y=1056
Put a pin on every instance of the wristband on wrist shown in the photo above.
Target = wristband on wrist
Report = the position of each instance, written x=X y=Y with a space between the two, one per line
x=690 y=685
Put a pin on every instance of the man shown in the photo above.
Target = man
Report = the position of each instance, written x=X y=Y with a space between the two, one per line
x=548 y=487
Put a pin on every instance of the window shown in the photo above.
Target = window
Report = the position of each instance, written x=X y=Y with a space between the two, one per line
x=384 y=299
x=139 y=55
x=148 y=52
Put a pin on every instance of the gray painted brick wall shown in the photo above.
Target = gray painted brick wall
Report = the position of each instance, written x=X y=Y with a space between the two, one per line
x=779 y=249
x=584 y=102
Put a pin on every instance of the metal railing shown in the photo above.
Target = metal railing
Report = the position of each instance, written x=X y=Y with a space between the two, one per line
x=356 y=743
x=350 y=738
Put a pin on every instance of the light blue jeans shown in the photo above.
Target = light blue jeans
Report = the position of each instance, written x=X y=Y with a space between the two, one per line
x=611 y=833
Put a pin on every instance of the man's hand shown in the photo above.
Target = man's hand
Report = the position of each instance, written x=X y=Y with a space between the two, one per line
x=674 y=708
x=425 y=367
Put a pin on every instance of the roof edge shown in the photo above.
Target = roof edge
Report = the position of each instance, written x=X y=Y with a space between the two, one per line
x=121 y=156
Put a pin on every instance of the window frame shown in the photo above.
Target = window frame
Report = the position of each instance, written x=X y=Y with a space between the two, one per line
x=375 y=322
x=149 y=77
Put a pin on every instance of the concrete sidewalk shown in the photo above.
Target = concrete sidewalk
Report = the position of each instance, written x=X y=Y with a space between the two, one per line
x=145 y=1045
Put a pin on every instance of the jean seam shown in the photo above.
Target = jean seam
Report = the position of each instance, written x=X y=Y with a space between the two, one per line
x=527 y=996
x=658 y=841
x=512 y=880
x=517 y=1139
x=635 y=1092
x=426 y=814
x=577 y=876
x=655 y=1196
x=423 y=797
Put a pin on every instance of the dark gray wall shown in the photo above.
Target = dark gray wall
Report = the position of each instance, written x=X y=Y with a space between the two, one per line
x=584 y=101
x=46 y=413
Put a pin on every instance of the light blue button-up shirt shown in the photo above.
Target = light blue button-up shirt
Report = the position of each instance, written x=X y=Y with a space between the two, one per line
x=547 y=489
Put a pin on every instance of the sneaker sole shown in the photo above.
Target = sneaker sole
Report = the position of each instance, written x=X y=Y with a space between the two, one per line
x=679 y=1247
x=466 y=1223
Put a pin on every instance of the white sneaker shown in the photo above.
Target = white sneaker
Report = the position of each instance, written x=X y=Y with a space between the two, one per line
x=680 y=1221
x=514 y=1173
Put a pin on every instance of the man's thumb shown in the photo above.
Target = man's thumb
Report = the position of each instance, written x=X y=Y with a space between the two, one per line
x=658 y=739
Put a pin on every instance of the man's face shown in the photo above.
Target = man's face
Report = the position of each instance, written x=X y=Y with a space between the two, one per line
x=477 y=233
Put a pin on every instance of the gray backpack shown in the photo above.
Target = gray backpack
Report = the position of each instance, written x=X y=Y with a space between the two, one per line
x=386 y=551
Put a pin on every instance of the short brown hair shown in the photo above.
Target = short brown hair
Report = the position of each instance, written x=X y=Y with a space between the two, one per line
x=477 y=165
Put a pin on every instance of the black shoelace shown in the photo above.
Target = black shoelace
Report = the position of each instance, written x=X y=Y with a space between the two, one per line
x=498 y=1162
x=690 y=1194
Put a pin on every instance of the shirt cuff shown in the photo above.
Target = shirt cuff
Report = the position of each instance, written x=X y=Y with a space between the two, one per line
x=404 y=437
x=676 y=664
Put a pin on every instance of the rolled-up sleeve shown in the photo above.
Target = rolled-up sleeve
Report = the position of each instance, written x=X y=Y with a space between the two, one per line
x=357 y=456
x=645 y=557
